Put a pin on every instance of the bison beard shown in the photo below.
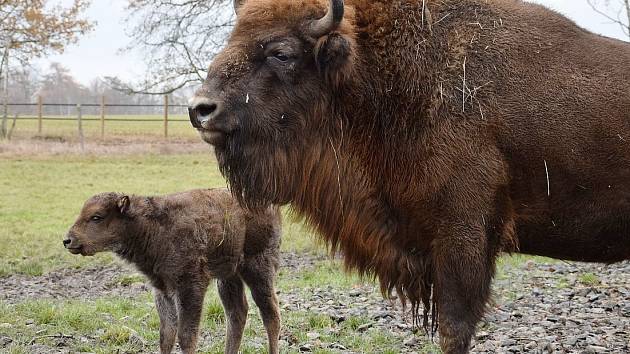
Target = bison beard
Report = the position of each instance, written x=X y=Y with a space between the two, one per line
x=268 y=175
x=311 y=178
x=253 y=180
x=421 y=149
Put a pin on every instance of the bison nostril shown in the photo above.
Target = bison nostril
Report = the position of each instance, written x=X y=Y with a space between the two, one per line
x=66 y=242
x=204 y=110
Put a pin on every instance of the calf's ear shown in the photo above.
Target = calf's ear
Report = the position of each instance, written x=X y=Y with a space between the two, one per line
x=237 y=5
x=123 y=204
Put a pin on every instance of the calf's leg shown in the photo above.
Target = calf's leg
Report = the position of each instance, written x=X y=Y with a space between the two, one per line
x=189 y=306
x=259 y=276
x=235 y=305
x=167 y=310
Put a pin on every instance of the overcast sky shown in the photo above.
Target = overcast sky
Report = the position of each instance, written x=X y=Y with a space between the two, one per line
x=97 y=54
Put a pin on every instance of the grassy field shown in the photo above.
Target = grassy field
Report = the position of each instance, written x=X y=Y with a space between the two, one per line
x=41 y=196
x=121 y=126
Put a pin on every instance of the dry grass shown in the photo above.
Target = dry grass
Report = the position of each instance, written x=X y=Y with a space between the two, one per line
x=126 y=135
x=55 y=146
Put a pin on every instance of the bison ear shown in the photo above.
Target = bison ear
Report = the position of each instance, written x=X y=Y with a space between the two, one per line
x=123 y=204
x=334 y=56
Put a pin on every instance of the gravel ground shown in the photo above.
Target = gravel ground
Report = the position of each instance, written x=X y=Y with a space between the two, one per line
x=559 y=308
x=538 y=308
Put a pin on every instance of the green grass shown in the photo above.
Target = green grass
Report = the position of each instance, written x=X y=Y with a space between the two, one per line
x=41 y=197
x=129 y=279
x=589 y=279
x=324 y=274
x=110 y=322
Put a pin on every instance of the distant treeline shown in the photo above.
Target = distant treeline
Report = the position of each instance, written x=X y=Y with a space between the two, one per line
x=58 y=86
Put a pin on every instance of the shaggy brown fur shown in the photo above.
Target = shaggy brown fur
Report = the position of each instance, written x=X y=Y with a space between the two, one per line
x=180 y=242
x=423 y=138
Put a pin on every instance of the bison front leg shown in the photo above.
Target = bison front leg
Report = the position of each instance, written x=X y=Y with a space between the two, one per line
x=167 y=310
x=235 y=305
x=463 y=275
x=189 y=306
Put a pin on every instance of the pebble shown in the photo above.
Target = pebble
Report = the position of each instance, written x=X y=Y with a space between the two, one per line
x=5 y=341
x=364 y=327
x=410 y=341
x=596 y=349
x=305 y=347
x=337 y=346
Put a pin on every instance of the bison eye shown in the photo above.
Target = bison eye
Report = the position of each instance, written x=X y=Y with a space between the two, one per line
x=281 y=57
x=96 y=218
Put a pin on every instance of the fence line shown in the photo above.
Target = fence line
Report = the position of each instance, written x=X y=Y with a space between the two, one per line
x=170 y=120
x=103 y=105
x=103 y=117
x=99 y=104
x=166 y=116
x=39 y=114
x=81 y=138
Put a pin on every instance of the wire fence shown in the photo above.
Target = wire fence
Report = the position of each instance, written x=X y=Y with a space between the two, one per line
x=95 y=120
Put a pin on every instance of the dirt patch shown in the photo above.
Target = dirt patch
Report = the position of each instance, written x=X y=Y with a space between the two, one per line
x=117 y=279
x=85 y=284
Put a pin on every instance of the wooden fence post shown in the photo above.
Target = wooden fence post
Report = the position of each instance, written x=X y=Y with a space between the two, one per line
x=79 y=118
x=10 y=133
x=39 y=115
x=166 y=116
x=103 y=117
x=3 y=127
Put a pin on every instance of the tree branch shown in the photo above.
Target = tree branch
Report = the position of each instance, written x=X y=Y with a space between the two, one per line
x=624 y=26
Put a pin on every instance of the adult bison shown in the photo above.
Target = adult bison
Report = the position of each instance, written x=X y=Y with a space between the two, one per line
x=423 y=138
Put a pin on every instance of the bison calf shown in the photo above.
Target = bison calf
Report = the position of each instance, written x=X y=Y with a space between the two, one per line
x=180 y=242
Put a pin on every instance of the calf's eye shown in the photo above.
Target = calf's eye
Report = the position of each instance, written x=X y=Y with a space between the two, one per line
x=96 y=218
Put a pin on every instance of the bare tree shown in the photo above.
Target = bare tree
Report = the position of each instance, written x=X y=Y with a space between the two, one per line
x=619 y=12
x=22 y=85
x=33 y=28
x=30 y=29
x=59 y=86
x=180 y=38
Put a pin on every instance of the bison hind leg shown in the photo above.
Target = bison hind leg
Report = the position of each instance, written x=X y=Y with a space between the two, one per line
x=232 y=296
x=259 y=275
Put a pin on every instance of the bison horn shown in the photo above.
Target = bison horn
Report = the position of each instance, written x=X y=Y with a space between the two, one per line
x=330 y=21
x=238 y=4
